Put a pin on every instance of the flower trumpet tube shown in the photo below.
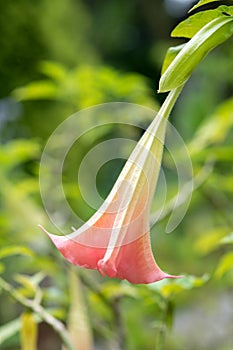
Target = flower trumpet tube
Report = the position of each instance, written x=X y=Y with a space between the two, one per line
x=116 y=239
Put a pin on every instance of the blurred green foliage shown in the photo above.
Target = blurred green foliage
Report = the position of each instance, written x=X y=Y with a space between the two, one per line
x=86 y=86
x=55 y=60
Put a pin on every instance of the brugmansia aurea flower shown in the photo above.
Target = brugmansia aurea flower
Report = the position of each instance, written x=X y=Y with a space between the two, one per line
x=116 y=239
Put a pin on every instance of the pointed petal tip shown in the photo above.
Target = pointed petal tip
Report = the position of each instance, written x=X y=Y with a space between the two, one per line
x=43 y=229
x=172 y=276
x=54 y=238
x=161 y=276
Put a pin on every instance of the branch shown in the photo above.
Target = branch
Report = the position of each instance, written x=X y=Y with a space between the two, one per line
x=40 y=311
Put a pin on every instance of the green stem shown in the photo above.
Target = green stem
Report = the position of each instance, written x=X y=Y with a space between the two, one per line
x=170 y=100
x=166 y=107
x=39 y=311
x=120 y=330
x=160 y=339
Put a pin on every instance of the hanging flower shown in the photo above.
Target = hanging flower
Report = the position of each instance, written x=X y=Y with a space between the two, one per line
x=116 y=239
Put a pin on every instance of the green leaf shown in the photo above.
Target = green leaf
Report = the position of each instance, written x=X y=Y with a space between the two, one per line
x=190 y=26
x=30 y=283
x=17 y=151
x=9 y=329
x=2 y=268
x=169 y=316
x=201 y=3
x=112 y=290
x=206 y=39
x=43 y=89
x=53 y=70
x=225 y=265
x=78 y=323
x=28 y=289
x=172 y=52
x=222 y=182
x=168 y=288
x=28 y=332
x=228 y=239
x=214 y=130
x=210 y=240
x=15 y=250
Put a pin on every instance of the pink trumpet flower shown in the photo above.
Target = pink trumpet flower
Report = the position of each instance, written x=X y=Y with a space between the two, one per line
x=116 y=239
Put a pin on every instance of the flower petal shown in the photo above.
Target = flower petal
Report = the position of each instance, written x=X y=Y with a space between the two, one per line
x=135 y=263
x=77 y=253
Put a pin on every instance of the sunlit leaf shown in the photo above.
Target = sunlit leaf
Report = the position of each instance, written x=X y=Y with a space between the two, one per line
x=228 y=239
x=36 y=90
x=28 y=289
x=168 y=288
x=53 y=70
x=98 y=307
x=57 y=312
x=201 y=3
x=225 y=265
x=37 y=278
x=18 y=151
x=28 y=186
x=207 y=38
x=113 y=290
x=208 y=241
x=30 y=283
x=190 y=26
x=28 y=332
x=25 y=215
x=15 y=250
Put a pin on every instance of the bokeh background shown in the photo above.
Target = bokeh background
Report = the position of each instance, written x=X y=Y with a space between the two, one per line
x=59 y=57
